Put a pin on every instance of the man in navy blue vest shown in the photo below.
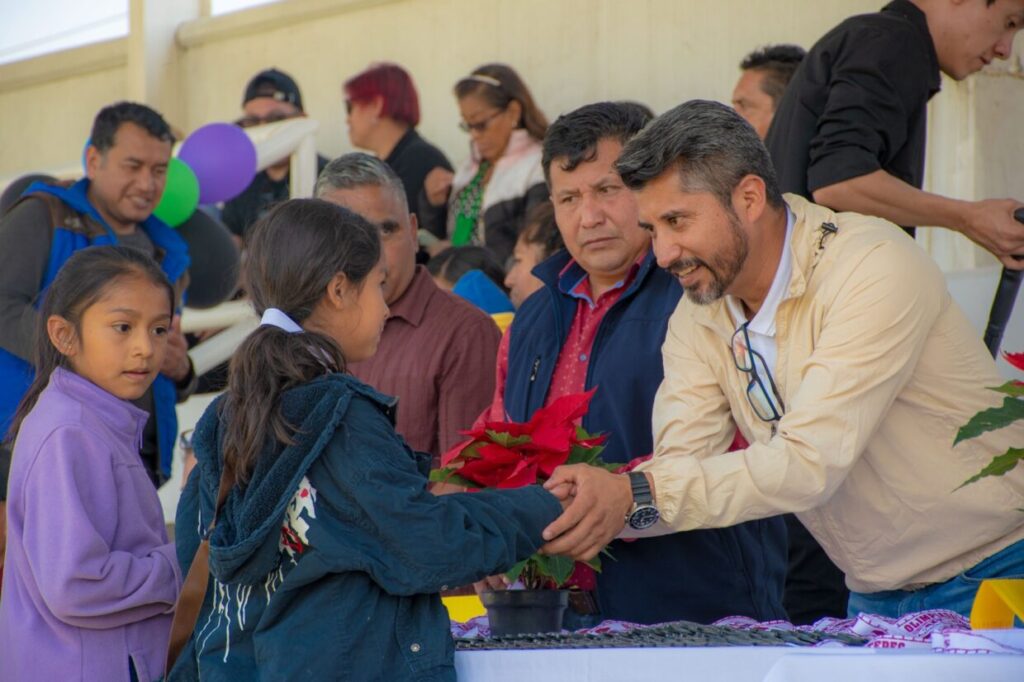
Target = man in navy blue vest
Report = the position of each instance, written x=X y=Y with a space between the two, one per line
x=599 y=321
x=126 y=166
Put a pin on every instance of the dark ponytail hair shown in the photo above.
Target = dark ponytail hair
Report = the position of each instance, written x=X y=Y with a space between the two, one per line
x=292 y=255
x=83 y=280
x=510 y=87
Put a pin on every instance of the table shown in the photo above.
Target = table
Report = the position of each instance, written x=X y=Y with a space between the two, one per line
x=735 y=664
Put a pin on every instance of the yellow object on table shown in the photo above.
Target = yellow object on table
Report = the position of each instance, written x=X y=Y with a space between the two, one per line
x=997 y=602
x=461 y=609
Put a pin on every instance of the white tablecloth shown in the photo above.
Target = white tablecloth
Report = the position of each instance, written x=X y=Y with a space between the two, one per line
x=736 y=664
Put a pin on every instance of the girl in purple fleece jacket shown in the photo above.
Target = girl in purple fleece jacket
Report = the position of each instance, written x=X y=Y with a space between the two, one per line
x=90 y=579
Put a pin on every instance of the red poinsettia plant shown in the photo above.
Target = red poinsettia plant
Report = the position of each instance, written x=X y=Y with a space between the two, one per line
x=994 y=418
x=512 y=455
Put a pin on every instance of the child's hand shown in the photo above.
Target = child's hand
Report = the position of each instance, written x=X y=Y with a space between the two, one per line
x=564 y=492
x=492 y=583
x=176 y=364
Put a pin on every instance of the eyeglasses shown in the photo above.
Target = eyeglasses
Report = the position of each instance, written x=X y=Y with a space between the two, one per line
x=480 y=126
x=253 y=121
x=766 y=403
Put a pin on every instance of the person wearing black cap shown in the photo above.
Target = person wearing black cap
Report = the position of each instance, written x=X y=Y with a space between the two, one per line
x=270 y=96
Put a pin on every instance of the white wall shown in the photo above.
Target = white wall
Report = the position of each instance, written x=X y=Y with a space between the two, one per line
x=570 y=52
x=46 y=125
x=660 y=52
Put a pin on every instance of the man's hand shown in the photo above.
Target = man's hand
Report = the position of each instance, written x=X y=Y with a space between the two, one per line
x=991 y=225
x=596 y=514
x=987 y=223
x=176 y=364
x=437 y=185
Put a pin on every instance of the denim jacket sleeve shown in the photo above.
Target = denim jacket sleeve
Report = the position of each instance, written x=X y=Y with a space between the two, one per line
x=380 y=518
x=187 y=522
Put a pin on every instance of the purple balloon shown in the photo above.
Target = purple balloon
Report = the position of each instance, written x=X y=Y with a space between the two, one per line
x=223 y=158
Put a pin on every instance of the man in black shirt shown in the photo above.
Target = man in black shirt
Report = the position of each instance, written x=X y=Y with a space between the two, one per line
x=849 y=133
x=269 y=97
x=850 y=130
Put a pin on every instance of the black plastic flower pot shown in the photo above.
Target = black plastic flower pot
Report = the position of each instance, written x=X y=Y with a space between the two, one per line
x=523 y=612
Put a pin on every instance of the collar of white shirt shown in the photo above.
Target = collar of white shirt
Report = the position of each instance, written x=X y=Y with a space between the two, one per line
x=763 y=323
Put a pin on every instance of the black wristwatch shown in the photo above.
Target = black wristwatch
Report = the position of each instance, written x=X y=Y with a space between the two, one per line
x=643 y=514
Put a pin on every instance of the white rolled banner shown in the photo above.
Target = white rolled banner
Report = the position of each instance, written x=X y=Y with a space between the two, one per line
x=221 y=347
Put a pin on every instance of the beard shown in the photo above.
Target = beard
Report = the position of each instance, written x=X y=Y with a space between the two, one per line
x=723 y=266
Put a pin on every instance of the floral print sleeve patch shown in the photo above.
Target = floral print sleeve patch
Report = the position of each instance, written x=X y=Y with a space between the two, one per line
x=297 y=515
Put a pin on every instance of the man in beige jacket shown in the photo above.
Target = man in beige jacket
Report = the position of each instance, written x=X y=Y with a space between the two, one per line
x=831 y=341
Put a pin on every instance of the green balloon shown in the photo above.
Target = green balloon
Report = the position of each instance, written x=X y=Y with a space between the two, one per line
x=181 y=194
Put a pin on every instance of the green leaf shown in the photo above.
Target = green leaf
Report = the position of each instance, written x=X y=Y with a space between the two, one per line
x=449 y=476
x=471 y=450
x=998 y=466
x=527 y=571
x=563 y=568
x=558 y=568
x=517 y=570
x=991 y=419
x=583 y=434
x=1014 y=388
x=579 y=455
x=507 y=439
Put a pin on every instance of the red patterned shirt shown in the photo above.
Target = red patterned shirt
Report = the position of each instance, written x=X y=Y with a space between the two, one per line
x=570 y=374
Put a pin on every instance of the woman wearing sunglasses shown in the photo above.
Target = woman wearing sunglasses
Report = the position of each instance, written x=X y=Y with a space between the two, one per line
x=486 y=200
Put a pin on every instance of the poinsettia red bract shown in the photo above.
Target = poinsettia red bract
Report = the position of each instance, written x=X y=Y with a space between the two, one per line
x=1015 y=359
x=514 y=454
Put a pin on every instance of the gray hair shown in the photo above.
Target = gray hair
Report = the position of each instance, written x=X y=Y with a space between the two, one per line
x=710 y=145
x=351 y=171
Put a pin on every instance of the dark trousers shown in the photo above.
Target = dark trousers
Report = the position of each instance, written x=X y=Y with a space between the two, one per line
x=815 y=587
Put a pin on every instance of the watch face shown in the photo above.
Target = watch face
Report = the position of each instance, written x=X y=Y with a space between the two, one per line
x=643 y=517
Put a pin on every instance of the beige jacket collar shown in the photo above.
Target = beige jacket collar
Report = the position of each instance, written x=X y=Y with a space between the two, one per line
x=812 y=229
